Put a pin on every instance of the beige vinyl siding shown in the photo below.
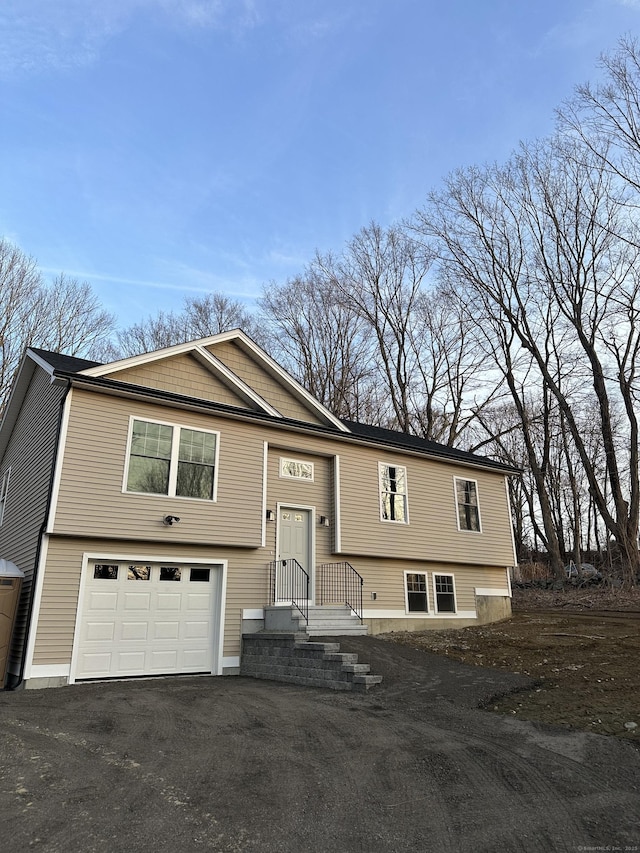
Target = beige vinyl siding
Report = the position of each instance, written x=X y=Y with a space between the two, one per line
x=182 y=374
x=263 y=383
x=97 y=443
x=247 y=587
x=386 y=579
x=432 y=532
x=292 y=492
x=30 y=453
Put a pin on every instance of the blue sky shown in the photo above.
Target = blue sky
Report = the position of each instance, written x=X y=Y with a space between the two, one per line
x=163 y=148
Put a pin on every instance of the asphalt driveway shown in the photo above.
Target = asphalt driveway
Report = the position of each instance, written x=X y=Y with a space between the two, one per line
x=232 y=764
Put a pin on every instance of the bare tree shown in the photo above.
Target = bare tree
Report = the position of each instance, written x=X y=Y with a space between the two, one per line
x=606 y=117
x=322 y=340
x=64 y=315
x=535 y=245
x=200 y=317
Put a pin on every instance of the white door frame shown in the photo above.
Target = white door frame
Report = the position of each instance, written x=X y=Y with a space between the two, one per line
x=312 y=542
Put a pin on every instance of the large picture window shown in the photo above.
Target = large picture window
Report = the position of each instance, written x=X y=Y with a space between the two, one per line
x=165 y=459
x=467 y=504
x=393 y=493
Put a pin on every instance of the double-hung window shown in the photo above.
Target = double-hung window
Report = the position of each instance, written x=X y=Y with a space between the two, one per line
x=393 y=493
x=467 y=504
x=444 y=593
x=416 y=592
x=165 y=459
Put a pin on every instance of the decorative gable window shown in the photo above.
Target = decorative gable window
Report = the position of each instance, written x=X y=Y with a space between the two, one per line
x=295 y=469
x=467 y=504
x=165 y=459
x=393 y=493
x=4 y=489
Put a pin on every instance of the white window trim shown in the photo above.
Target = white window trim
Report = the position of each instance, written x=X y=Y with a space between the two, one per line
x=173 y=463
x=382 y=465
x=4 y=491
x=455 y=498
x=295 y=479
x=406 y=594
x=435 y=595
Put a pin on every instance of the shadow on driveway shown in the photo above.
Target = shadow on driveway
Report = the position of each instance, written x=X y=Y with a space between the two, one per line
x=233 y=764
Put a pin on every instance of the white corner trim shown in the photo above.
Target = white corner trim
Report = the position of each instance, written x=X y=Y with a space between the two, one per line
x=253 y=614
x=508 y=571
x=57 y=475
x=510 y=522
x=265 y=468
x=230 y=662
x=503 y=593
x=337 y=526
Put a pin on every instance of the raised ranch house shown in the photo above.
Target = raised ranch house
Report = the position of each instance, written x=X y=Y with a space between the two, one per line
x=162 y=505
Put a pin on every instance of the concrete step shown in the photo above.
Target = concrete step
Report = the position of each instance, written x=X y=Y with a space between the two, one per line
x=295 y=659
x=338 y=630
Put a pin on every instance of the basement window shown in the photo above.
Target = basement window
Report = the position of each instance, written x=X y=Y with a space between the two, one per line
x=416 y=592
x=444 y=593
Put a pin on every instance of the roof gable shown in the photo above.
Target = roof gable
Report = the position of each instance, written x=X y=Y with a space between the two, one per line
x=239 y=363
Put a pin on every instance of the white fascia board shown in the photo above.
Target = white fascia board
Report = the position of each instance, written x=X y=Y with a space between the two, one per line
x=245 y=343
x=40 y=361
x=18 y=392
x=146 y=357
x=229 y=378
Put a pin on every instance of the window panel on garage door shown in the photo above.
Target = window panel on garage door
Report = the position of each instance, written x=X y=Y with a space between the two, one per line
x=145 y=618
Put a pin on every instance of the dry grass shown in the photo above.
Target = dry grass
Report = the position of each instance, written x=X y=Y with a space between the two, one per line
x=583 y=599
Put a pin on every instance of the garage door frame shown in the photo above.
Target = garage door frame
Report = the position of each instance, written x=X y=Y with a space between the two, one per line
x=219 y=592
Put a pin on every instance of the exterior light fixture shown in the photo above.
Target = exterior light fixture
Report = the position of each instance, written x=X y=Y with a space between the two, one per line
x=270 y=515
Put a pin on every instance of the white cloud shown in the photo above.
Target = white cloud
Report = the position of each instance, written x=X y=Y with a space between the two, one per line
x=83 y=275
x=38 y=35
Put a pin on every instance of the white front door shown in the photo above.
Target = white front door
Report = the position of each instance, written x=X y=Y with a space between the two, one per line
x=147 y=618
x=294 y=543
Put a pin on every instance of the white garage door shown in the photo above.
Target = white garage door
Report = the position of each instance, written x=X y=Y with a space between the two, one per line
x=147 y=619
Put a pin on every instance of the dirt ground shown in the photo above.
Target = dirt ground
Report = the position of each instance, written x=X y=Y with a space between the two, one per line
x=581 y=646
x=237 y=765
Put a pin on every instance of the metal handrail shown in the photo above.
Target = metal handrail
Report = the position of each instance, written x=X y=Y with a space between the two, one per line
x=340 y=583
x=289 y=582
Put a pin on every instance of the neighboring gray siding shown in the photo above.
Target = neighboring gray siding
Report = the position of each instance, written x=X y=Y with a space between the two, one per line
x=30 y=454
